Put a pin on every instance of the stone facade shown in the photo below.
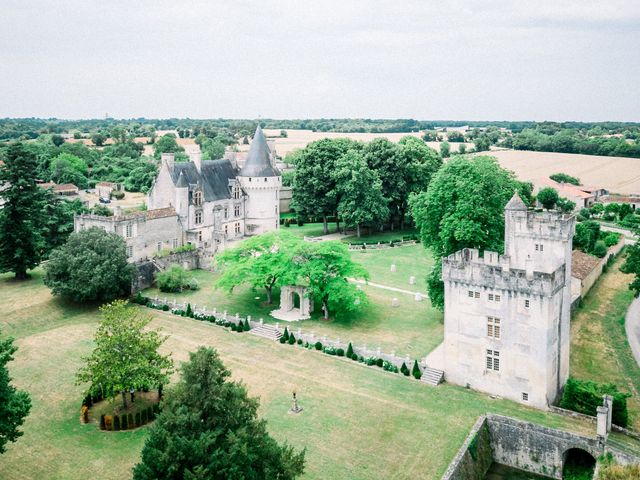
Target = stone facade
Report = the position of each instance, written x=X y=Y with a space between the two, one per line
x=145 y=233
x=203 y=203
x=506 y=318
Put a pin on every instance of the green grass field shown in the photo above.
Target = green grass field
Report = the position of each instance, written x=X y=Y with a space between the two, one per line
x=413 y=328
x=358 y=422
x=599 y=349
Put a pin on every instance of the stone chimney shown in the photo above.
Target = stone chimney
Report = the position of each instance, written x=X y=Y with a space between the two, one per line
x=168 y=159
x=196 y=158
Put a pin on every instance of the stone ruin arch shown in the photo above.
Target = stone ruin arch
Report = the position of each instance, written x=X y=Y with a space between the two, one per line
x=288 y=310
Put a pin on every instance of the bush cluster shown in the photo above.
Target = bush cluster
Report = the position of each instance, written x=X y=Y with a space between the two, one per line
x=586 y=396
x=129 y=421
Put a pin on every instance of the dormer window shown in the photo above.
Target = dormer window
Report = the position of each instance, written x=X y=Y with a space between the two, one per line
x=197 y=198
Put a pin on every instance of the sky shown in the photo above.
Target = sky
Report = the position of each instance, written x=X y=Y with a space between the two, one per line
x=458 y=60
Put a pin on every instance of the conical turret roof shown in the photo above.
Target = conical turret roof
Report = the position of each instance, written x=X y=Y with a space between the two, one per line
x=515 y=203
x=258 y=163
x=182 y=182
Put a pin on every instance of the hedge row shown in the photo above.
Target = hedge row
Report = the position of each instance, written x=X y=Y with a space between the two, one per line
x=339 y=352
x=243 y=326
x=129 y=420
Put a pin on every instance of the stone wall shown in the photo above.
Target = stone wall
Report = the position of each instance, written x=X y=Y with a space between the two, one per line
x=525 y=446
x=474 y=457
x=188 y=260
x=286 y=194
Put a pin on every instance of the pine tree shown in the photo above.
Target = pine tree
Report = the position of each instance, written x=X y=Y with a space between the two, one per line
x=285 y=335
x=404 y=369
x=14 y=404
x=22 y=226
x=350 y=350
x=209 y=429
x=416 y=370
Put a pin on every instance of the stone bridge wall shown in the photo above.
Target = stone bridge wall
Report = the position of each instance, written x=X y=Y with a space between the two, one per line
x=525 y=446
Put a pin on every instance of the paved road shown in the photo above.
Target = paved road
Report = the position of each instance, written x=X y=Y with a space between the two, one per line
x=629 y=237
x=632 y=325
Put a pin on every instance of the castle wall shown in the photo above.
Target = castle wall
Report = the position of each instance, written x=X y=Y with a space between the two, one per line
x=526 y=294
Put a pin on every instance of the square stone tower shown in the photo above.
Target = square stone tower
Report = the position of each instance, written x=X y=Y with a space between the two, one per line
x=506 y=317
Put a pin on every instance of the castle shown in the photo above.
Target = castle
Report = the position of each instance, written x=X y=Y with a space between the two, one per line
x=203 y=203
x=506 y=317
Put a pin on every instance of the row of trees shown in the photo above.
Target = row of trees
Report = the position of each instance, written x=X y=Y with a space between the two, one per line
x=363 y=184
x=278 y=258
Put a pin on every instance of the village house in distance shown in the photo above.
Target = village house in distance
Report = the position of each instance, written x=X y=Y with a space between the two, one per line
x=506 y=317
x=205 y=203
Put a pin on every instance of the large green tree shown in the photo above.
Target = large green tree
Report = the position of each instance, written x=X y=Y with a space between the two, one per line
x=168 y=144
x=360 y=191
x=22 y=234
x=91 y=265
x=632 y=265
x=126 y=354
x=417 y=163
x=14 y=404
x=261 y=261
x=382 y=157
x=326 y=267
x=463 y=208
x=209 y=429
x=314 y=185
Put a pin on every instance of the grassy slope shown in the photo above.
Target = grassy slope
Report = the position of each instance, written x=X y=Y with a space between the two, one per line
x=413 y=328
x=600 y=350
x=340 y=398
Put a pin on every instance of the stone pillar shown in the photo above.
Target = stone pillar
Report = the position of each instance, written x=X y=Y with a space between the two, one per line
x=412 y=280
x=601 y=425
x=418 y=297
x=608 y=402
x=395 y=302
x=393 y=267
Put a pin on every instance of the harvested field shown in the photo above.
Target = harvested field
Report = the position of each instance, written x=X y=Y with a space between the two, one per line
x=300 y=138
x=616 y=174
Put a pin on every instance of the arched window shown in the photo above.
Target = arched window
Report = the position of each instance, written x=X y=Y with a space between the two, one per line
x=197 y=198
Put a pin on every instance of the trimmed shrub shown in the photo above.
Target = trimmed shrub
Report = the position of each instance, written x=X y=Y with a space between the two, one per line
x=390 y=367
x=103 y=425
x=286 y=334
x=379 y=362
x=600 y=249
x=189 y=312
x=292 y=339
x=138 y=419
x=299 y=341
x=283 y=340
x=175 y=279
x=247 y=325
x=417 y=374
x=131 y=422
x=165 y=308
x=585 y=396
x=360 y=358
x=350 y=350
x=318 y=346
x=354 y=357
x=116 y=423
x=404 y=369
x=340 y=352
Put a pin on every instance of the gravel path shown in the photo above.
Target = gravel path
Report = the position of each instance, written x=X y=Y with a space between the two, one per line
x=632 y=325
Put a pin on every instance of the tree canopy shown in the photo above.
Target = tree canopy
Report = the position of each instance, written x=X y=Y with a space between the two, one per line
x=464 y=208
x=14 y=404
x=548 y=197
x=22 y=229
x=209 y=429
x=91 y=265
x=261 y=261
x=126 y=355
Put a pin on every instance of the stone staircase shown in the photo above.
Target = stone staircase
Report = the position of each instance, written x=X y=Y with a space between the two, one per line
x=432 y=376
x=266 y=331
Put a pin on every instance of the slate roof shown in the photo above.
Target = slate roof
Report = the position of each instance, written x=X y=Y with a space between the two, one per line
x=258 y=162
x=515 y=203
x=214 y=178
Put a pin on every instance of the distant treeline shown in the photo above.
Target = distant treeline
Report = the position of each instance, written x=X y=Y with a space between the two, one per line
x=30 y=128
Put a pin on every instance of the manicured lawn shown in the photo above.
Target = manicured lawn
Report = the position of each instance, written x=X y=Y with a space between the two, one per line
x=358 y=422
x=413 y=328
x=600 y=350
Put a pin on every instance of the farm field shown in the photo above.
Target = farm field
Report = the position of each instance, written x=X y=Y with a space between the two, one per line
x=297 y=139
x=413 y=328
x=358 y=422
x=617 y=174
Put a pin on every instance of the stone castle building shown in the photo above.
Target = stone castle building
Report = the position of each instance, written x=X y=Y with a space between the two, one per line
x=506 y=317
x=204 y=203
